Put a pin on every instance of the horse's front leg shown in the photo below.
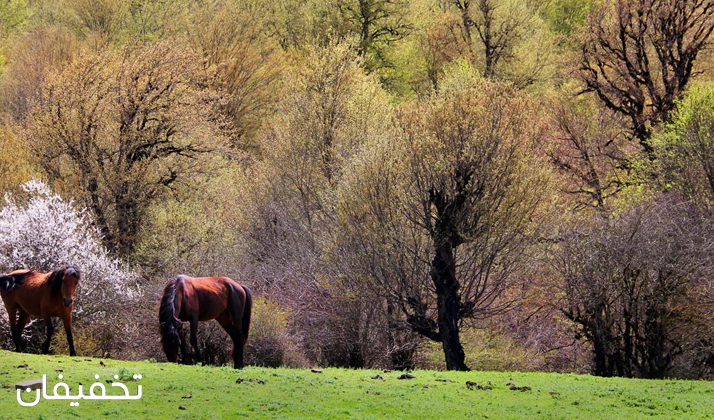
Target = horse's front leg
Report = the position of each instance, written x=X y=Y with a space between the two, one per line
x=21 y=322
x=182 y=344
x=50 y=331
x=194 y=337
x=67 y=321
x=12 y=318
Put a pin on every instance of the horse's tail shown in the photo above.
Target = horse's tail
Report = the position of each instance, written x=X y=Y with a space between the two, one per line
x=247 y=309
x=9 y=281
x=169 y=324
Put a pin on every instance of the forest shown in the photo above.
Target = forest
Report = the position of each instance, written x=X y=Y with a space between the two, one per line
x=443 y=184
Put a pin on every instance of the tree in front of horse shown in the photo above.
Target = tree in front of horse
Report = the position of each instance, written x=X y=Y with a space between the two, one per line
x=28 y=293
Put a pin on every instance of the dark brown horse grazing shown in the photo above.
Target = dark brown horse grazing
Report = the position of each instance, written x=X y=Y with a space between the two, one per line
x=203 y=299
x=42 y=295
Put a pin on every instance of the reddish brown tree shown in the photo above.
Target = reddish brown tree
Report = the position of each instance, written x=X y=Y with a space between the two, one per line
x=633 y=282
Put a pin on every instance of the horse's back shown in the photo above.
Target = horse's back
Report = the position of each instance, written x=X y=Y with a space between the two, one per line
x=205 y=296
x=23 y=288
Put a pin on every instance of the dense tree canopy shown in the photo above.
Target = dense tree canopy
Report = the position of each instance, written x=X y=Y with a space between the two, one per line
x=429 y=183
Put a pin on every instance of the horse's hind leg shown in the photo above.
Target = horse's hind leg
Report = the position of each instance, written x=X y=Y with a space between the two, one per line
x=194 y=337
x=237 y=303
x=21 y=322
x=50 y=331
x=228 y=325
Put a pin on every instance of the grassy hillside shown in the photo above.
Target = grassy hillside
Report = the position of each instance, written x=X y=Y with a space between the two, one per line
x=338 y=393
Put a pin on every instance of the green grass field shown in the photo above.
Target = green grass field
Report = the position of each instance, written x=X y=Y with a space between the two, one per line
x=341 y=393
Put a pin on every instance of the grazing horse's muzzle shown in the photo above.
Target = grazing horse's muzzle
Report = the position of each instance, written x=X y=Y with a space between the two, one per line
x=67 y=301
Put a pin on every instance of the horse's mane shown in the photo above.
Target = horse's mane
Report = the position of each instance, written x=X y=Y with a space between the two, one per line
x=55 y=278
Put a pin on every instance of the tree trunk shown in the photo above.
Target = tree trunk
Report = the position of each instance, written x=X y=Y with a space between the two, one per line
x=366 y=17
x=127 y=221
x=443 y=274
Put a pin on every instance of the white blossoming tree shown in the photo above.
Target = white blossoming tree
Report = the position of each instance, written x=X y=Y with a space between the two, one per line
x=44 y=232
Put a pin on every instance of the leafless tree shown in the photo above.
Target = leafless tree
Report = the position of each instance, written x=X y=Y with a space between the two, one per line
x=591 y=150
x=633 y=284
x=639 y=55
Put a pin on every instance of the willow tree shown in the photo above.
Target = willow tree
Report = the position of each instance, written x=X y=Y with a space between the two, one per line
x=439 y=217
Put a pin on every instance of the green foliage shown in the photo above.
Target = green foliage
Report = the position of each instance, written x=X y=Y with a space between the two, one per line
x=296 y=24
x=563 y=16
x=16 y=161
x=489 y=349
x=271 y=344
x=507 y=40
x=13 y=16
x=685 y=146
x=151 y=20
x=243 y=66
x=184 y=236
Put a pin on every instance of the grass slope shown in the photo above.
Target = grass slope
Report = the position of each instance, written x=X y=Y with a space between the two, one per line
x=341 y=393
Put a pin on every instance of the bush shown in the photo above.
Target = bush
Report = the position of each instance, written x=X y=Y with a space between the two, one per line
x=270 y=342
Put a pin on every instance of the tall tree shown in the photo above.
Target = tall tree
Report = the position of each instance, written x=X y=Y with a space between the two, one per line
x=377 y=23
x=438 y=221
x=639 y=55
x=123 y=128
x=494 y=31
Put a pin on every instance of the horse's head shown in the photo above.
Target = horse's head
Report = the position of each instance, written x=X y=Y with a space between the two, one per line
x=70 y=279
x=171 y=340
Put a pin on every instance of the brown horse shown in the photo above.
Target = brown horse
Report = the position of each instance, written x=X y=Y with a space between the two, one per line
x=203 y=299
x=42 y=295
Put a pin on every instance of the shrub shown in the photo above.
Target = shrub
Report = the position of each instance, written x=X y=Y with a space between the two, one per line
x=270 y=342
